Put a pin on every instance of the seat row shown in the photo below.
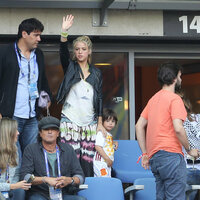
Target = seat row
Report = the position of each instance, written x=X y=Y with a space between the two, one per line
x=127 y=170
x=111 y=189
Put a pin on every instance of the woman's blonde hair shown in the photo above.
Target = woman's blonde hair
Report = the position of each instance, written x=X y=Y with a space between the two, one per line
x=85 y=39
x=8 y=149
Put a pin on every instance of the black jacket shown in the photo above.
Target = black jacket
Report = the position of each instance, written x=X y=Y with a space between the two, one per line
x=9 y=73
x=33 y=162
x=72 y=72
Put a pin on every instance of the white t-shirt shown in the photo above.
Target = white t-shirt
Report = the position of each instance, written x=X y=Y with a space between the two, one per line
x=78 y=106
x=106 y=144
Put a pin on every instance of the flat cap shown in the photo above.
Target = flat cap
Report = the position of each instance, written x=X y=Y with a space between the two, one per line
x=48 y=122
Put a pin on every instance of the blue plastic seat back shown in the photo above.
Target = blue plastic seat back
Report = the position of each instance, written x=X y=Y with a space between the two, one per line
x=125 y=164
x=102 y=188
x=149 y=192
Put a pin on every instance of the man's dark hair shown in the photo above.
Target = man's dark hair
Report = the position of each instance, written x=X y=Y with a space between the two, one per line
x=167 y=72
x=109 y=114
x=29 y=25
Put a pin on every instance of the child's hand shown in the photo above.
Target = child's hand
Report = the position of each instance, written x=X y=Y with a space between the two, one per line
x=115 y=143
x=109 y=162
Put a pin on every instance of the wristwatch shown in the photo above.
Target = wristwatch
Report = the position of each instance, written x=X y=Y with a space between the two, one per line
x=30 y=178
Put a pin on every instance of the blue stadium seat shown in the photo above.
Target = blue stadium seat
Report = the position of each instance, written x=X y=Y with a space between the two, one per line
x=102 y=188
x=149 y=192
x=125 y=164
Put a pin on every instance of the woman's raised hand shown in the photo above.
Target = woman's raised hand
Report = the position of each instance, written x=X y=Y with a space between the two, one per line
x=67 y=22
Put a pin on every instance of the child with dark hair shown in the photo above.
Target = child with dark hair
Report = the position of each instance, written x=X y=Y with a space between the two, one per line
x=105 y=146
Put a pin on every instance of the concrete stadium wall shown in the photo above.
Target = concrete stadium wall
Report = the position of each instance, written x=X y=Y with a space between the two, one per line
x=119 y=22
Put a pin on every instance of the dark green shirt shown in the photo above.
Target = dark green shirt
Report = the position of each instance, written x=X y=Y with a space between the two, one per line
x=52 y=160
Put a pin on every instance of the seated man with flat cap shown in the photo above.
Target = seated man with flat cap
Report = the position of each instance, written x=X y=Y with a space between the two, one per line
x=54 y=165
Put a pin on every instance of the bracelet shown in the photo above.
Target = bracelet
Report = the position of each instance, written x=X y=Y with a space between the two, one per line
x=72 y=183
x=144 y=154
x=43 y=179
x=64 y=33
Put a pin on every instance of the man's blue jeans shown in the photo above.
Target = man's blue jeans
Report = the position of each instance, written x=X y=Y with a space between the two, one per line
x=193 y=178
x=169 y=170
x=28 y=129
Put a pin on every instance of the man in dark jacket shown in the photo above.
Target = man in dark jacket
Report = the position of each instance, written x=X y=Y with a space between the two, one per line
x=22 y=78
x=54 y=164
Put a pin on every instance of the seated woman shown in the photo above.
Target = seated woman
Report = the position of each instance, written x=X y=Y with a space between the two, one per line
x=10 y=188
x=192 y=128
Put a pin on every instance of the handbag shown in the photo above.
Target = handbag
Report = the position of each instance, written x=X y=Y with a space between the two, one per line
x=43 y=101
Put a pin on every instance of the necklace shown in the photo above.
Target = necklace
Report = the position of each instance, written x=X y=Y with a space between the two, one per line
x=49 y=150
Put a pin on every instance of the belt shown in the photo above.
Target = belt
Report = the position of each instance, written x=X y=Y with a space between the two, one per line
x=191 y=161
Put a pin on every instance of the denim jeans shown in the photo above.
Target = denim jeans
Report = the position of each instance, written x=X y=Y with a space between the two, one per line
x=17 y=194
x=169 y=170
x=28 y=129
x=37 y=196
x=193 y=178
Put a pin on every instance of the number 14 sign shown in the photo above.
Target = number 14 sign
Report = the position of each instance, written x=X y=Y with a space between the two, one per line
x=195 y=24
x=181 y=23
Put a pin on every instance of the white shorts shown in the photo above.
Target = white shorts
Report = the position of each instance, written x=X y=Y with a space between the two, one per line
x=101 y=169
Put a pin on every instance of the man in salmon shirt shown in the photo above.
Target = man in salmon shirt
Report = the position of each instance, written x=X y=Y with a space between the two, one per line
x=161 y=135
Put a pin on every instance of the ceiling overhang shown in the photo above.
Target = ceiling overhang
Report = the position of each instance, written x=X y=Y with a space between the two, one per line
x=105 y=4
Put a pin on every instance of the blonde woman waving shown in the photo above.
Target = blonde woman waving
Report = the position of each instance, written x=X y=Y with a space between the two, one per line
x=81 y=95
